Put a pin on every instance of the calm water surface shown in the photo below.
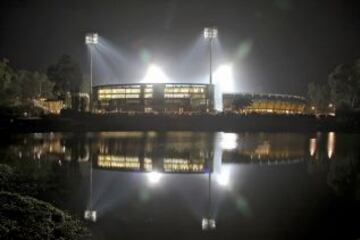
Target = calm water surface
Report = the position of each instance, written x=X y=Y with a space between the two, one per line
x=194 y=185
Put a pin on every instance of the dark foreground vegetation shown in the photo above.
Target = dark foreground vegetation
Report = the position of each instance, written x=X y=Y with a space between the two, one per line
x=25 y=217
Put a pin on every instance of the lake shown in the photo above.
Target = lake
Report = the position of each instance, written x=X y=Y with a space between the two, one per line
x=198 y=185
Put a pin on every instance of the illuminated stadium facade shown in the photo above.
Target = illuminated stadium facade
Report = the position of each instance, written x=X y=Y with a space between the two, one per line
x=263 y=103
x=187 y=98
x=152 y=97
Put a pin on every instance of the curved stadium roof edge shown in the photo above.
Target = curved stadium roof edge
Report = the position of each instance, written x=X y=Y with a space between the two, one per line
x=133 y=84
x=268 y=95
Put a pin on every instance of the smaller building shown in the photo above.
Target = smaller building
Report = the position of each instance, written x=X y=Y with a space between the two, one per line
x=263 y=103
x=49 y=106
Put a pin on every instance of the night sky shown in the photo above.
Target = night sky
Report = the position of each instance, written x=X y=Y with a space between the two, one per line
x=289 y=43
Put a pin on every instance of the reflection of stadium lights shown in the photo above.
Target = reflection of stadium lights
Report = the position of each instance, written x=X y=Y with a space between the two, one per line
x=90 y=215
x=312 y=146
x=223 y=178
x=228 y=141
x=208 y=224
x=331 y=144
x=154 y=177
x=224 y=78
x=154 y=74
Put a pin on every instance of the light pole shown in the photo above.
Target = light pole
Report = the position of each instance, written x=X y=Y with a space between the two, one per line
x=91 y=39
x=210 y=33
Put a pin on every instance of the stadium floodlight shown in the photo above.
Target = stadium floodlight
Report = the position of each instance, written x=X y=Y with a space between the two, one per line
x=91 y=38
x=210 y=32
x=155 y=74
x=154 y=177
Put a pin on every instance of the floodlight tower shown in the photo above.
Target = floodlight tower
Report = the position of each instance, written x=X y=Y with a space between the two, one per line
x=210 y=33
x=91 y=39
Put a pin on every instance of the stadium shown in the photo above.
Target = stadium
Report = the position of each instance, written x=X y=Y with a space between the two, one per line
x=264 y=103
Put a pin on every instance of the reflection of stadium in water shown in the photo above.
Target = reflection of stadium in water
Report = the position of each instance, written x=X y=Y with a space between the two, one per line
x=268 y=148
x=173 y=152
x=170 y=152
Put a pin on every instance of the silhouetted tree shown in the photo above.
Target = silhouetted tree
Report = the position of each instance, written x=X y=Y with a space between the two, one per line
x=9 y=86
x=319 y=96
x=344 y=82
x=66 y=75
x=34 y=84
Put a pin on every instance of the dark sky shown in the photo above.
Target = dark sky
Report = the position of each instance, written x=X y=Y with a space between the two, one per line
x=292 y=42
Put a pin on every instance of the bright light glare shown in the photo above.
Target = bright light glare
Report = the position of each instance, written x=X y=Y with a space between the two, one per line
x=224 y=78
x=91 y=38
x=210 y=33
x=154 y=177
x=208 y=224
x=228 y=141
x=154 y=74
x=223 y=178
x=90 y=215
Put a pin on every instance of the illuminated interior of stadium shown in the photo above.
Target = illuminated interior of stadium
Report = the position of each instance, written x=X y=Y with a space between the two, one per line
x=263 y=103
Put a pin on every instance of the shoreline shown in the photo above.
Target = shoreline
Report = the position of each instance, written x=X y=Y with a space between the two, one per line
x=85 y=122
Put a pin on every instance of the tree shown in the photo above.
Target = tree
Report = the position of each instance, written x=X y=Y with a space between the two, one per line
x=319 y=96
x=344 y=82
x=9 y=86
x=66 y=75
x=34 y=84
x=44 y=85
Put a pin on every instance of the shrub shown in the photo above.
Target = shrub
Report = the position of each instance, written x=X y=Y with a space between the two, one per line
x=28 y=218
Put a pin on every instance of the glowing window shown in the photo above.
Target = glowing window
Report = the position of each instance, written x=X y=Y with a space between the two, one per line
x=132 y=95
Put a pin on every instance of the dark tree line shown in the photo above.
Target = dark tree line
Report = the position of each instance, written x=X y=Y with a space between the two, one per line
x=341 y=90
x=66 y=75
x=19 y=87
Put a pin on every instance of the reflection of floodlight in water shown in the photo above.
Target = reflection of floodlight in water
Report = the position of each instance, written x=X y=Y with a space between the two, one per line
x=224 y=79
x=312 y=146
x=223 y=178
x=90 y=215
x=208 y=224
x=154 y=74
x=228 y=141
x=331 y=144
x=154 y=177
